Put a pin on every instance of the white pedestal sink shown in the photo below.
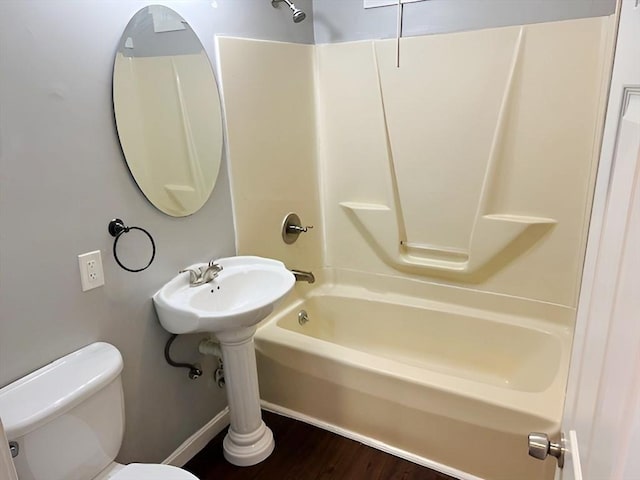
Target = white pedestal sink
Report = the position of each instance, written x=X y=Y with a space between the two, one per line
x=230 y=306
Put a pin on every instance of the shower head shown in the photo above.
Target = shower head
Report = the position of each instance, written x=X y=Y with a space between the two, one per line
x=298 y=15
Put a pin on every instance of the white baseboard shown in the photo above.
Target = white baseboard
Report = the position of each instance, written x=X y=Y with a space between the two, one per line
x=371 y=442
x=196 y=442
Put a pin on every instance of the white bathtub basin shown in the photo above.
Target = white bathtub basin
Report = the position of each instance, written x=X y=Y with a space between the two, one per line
x=490 y=352
x=426 y=378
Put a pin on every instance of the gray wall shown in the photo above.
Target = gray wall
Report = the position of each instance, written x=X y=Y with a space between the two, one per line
x=347 y=20
x=62 y=178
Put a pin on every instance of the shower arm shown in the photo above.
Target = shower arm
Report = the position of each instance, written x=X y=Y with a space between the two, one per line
x=288 y=2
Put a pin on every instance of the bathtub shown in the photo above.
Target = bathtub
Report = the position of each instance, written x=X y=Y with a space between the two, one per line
x=453 y=384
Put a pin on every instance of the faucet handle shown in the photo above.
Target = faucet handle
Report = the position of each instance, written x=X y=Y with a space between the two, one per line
x=292 y=228
x=215 y=266
x=298 y=229
x=194 y=275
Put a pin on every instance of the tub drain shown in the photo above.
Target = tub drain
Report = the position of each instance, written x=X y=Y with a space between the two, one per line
x=303 y=317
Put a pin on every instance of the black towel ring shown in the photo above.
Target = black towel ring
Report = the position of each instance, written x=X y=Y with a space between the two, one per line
x=116 y=229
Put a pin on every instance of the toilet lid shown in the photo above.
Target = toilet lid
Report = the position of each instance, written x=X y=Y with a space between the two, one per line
x=149 y=471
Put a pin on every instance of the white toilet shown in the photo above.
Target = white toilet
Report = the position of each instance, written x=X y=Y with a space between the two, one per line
x=67 y=420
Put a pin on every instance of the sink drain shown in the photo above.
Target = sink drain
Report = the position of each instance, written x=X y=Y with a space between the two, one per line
x=303 y=317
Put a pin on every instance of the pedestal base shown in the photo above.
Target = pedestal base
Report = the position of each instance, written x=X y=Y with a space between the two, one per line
x=248 y=441
x=248 y=449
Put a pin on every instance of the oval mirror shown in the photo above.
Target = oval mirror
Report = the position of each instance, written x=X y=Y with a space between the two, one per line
x=167 y=111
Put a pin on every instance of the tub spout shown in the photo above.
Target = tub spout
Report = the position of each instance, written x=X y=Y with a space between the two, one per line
x=302 y=276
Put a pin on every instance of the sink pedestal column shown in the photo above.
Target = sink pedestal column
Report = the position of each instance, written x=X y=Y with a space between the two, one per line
x=249 y=440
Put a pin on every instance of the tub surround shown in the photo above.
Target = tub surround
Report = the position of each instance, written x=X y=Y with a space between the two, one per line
x=478 y=153
x=451 y=199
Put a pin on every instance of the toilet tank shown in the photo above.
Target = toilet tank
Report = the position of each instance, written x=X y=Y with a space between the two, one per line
x=67 y=417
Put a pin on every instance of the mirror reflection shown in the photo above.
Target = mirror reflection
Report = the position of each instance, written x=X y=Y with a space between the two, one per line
x=167 y=111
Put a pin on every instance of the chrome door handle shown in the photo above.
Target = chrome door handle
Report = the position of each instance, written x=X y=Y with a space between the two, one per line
x=540 y=446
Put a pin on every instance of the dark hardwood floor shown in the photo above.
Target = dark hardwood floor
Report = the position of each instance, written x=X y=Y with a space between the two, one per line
x=304 y=452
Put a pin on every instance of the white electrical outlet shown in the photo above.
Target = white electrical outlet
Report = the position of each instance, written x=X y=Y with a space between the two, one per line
x=91 y=274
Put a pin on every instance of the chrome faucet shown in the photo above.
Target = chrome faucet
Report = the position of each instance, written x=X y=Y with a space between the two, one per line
x=202 y=275
x=302 y=276
x=211 y=272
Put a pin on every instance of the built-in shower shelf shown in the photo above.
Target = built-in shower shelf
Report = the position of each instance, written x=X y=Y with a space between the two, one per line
x=491 y=235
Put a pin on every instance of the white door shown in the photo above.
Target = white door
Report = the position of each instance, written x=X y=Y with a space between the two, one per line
x=602 y=408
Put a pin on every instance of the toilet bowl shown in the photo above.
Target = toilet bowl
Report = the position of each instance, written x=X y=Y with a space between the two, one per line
x=66 y=421
x=144 y=471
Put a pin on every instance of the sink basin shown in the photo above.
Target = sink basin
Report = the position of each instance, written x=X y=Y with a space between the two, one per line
x=243 y=293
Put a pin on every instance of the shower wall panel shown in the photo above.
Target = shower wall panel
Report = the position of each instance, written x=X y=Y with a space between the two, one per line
x=269 y=99
x=472 y=164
